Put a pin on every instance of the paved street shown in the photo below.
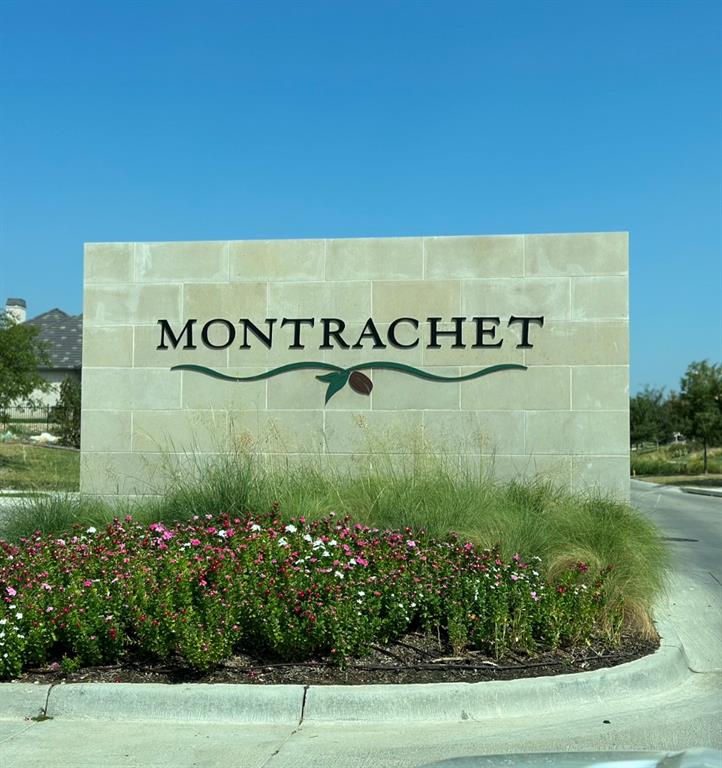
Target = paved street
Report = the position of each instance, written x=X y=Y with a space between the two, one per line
x=685 y=516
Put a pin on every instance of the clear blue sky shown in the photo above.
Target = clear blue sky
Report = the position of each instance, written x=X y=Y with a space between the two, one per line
x=212 y=120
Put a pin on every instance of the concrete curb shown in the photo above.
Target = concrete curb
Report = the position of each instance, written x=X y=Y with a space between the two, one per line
x=279 y=704
x=478 y=701
x=701 y=491
x=22 y=700
x=291 y=704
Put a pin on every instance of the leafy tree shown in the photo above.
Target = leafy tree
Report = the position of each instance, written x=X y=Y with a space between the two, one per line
x=699 y=404
x=649 y=416
x=67 y=412
x=21 y=355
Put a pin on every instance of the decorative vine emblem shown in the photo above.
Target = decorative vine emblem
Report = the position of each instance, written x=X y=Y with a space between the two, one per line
x=338 y=377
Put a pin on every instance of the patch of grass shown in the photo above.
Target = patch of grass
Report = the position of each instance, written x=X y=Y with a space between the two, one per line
x=54 y=515
x=36 y=468
x=675 y=460
x=701 y=481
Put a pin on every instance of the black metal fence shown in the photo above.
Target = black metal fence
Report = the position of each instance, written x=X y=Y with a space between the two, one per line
x=28 y=417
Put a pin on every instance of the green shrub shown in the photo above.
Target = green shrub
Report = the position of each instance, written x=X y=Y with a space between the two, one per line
x=297 y=590
x=67 y=412
x=428 y=493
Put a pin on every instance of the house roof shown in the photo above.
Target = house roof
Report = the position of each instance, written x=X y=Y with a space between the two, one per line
x=63 y=337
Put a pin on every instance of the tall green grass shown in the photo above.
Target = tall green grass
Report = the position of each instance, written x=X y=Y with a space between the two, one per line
x=675 y=460
x=427 y=491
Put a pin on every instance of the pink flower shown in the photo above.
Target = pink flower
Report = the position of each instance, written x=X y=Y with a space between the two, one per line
x=362 y=561
x=12 y=592
x=410 y=544
x=195 y=542
x=87 y=583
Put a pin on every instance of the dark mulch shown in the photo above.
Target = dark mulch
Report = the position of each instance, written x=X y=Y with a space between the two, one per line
x=414 y=659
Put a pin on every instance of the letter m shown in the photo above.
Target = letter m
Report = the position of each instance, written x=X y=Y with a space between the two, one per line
x=186 y=331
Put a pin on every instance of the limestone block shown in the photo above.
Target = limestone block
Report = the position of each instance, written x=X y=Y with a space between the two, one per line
x=474 y=257
x=178 y=432
x=600 y=388
x=201 y=392
x=276 y=260
x=605 y=474
x=405 y=298
x=230 y=301
x=108 y=262
x=372 y=432
x=105 y=431
x=537 y=388
x=582 y=343
x=126 y=474
x=375 y=258
x=345 y=300
x=131 y=389
x=600 y=253
x=400 y=391
x=278 y=431
x=181 y=262
x=600 y=298
x=555 y=469
x=475 y=432
x=548 y=297
x=108 y=346
x=577 y=432
x=131 y=304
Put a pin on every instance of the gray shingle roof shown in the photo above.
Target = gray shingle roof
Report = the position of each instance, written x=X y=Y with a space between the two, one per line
x=63 y=337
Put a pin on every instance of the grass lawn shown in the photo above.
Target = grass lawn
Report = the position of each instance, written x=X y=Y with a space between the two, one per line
x=35 y=468
x=700 y=481
x=674 y=461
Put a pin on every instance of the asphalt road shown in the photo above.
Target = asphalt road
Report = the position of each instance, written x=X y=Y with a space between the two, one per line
x=691 y=523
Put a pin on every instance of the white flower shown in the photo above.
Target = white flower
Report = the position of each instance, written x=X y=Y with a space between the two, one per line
x=222 y=533
x=360 y=593
x=255 y=527
x=282 y=542
x=3 y=621
x=291 y=528
x=332 y=543
x=307 y=537
x=318 y=543
x=326 y=553
x=18 y=615
x=338 y=574
x=91 y=530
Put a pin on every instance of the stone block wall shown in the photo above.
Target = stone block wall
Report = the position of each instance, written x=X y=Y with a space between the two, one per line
x=565 y=416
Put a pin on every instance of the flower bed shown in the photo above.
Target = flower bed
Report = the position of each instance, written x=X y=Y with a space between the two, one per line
x=204 y=590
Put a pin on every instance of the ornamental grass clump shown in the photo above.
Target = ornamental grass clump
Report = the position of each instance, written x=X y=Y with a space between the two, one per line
x=201 y=591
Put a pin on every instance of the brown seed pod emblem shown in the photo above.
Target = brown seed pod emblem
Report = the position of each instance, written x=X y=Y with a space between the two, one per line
x=360 y=383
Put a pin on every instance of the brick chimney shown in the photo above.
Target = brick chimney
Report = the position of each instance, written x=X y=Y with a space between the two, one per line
x=17 y=309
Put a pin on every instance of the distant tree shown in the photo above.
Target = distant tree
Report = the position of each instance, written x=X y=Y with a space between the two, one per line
x=698 y=406
x=649 y=416
x=21 y=355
